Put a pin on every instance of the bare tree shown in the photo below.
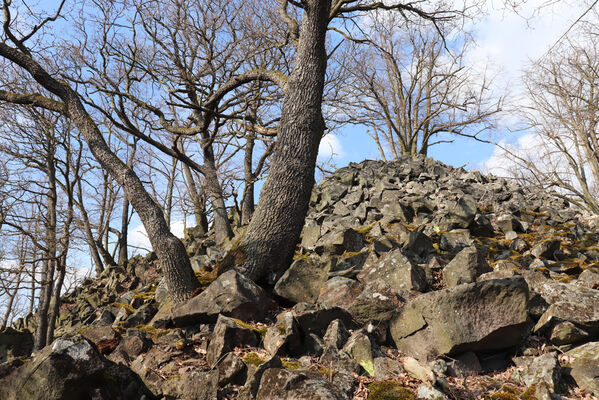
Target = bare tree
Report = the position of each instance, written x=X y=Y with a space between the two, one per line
x=562 y=119
x=411 y=87
x=271 y=237
x=13 y=48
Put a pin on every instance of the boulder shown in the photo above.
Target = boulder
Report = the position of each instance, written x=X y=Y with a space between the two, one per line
x=377 y=302
x=227 y=335
x=482 y=316
x=71 y=369
x=14 y=343
x=284 y=337
x=196 y=385
x=455 y=240
x=302 y=280
x=280 y=384
x=585 y=366
x=359 y=347
x=336 y=334
x=231 y=295
x=546 y=249
x=313 y=320
x=397 y=271
x=568 y=302
x=339 y=292
x=466 y=266
x=544 y=368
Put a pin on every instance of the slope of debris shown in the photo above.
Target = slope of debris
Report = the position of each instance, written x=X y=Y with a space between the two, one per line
x=413 y=280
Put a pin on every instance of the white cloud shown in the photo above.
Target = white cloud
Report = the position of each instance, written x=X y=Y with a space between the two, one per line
x=138 y=236
x=330 y=147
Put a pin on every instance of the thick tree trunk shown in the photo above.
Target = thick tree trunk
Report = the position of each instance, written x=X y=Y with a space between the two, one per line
x=176 y=267
x=275 y=228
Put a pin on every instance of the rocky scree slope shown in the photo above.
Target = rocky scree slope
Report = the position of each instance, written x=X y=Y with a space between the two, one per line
x=413 y=280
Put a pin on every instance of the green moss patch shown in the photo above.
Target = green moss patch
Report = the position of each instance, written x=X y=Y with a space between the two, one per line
x=389 y=390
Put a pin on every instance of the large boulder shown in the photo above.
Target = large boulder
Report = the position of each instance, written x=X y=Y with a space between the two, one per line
x=231 y=295
x=489 y=315
x=71 y=369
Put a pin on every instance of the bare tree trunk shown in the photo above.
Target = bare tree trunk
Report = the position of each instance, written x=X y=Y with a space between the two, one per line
x=51 y=247
x=123 y=255
x=222 y=226
x=199 y=205
x=275 y=228
x=13 y=295
x=168 y=209
x=247 y=201
x=89 y=237
x=176 y=267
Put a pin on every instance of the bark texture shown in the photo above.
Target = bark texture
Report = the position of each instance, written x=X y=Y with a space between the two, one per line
x=277 y=222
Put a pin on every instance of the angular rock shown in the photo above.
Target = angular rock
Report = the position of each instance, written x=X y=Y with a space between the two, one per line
x=231 y=295
x=141 y=316
x=339 y=292
x=546 y=249
x=544 y=368
x=462 y=212
x=569 y=302
x=418 y=246
x=280 y=384
x=377 y=302
x=312 y=320
x=359 y=347
x=303 y=280
x=197 y=385
x=336 y=334
x=585 y=367
x=387 y=368
x=230 y=369
x=284 y=336
x=567 y=333
x=338 y=360
x=14 y=343
x=455 y=240
x=71 y=369
x=227 y=335
x=397 y=271
x=481 y=316
x=466 y=266
x=254 y=376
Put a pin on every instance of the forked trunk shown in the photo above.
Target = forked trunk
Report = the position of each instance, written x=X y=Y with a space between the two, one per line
x=277 y=222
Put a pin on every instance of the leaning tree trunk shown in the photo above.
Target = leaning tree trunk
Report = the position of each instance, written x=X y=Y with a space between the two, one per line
x=275 y=228
x=175 y=264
